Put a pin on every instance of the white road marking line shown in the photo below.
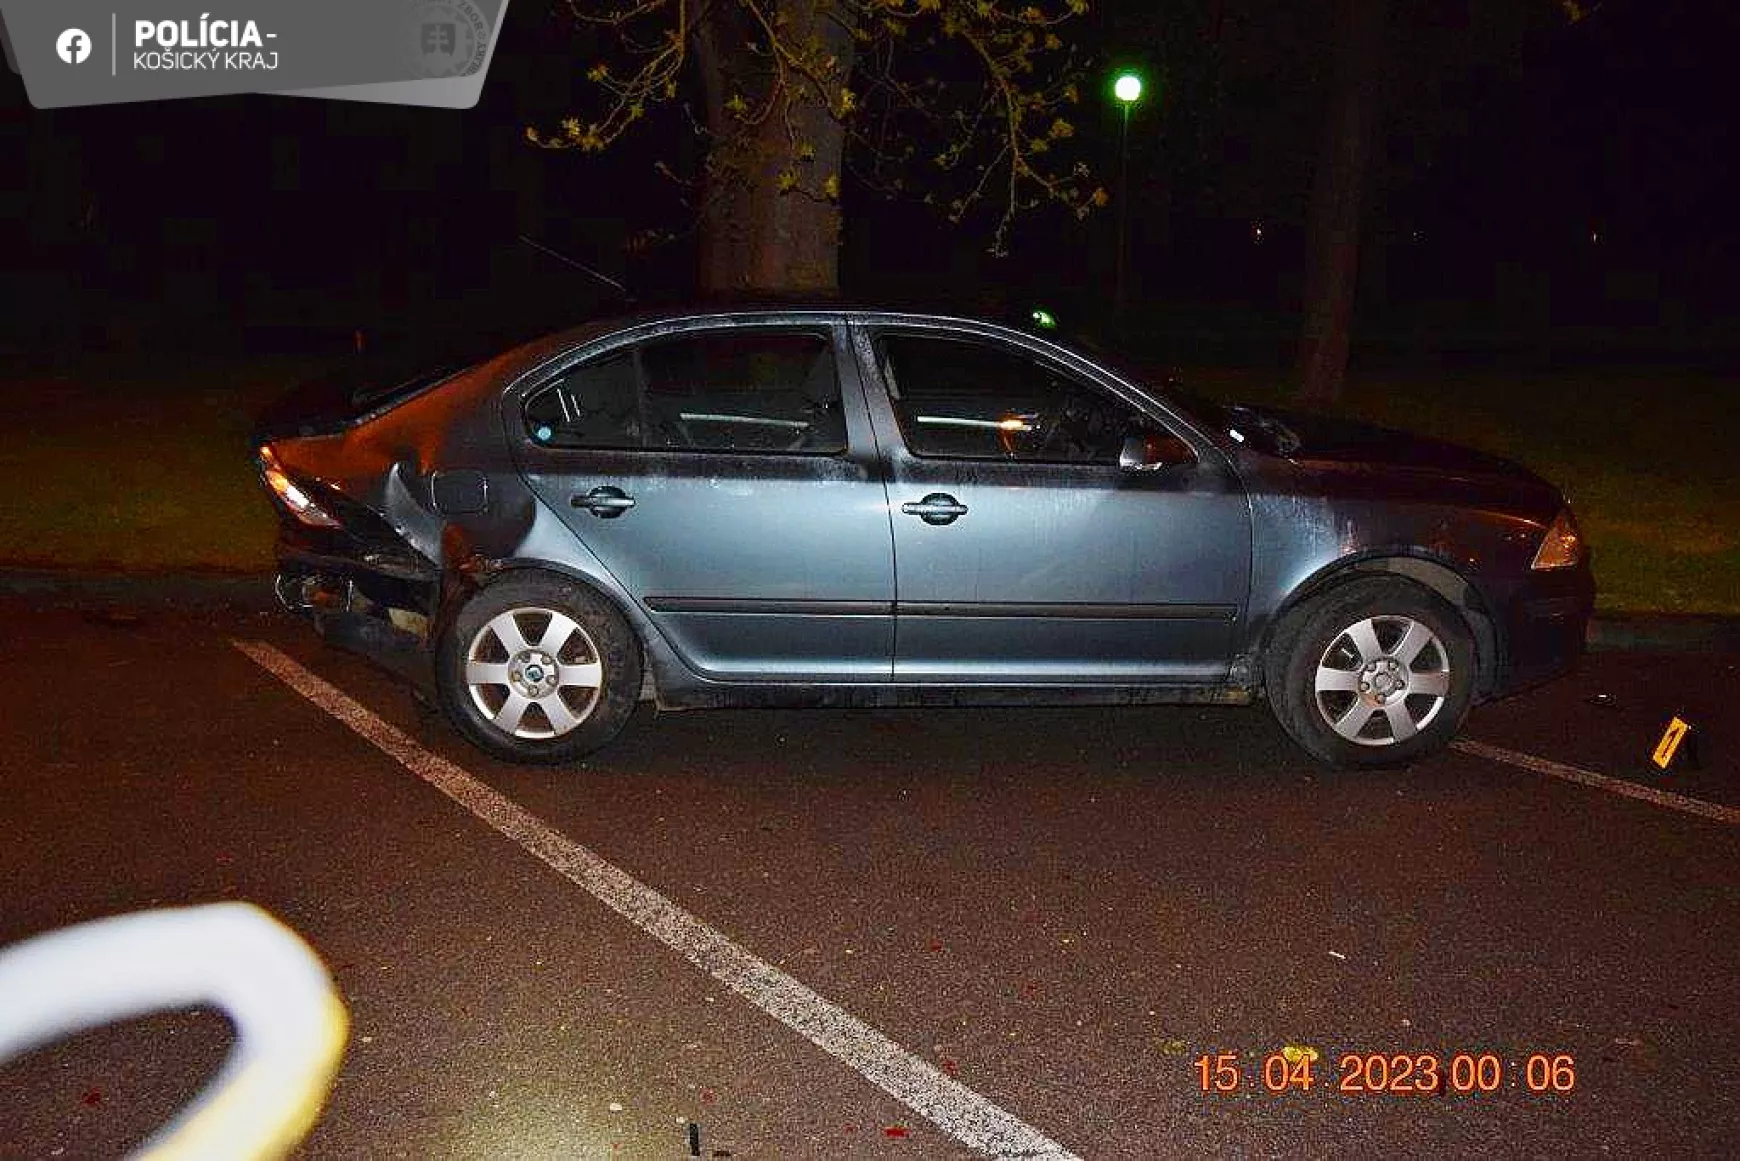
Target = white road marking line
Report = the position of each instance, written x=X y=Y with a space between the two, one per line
x=1620 y=786
x=954 y=1108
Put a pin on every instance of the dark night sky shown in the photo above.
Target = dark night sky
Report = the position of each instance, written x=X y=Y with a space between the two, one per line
x=1536 y=175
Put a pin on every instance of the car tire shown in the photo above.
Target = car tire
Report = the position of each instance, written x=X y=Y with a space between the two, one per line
x=538 y=669
x=1374 y=672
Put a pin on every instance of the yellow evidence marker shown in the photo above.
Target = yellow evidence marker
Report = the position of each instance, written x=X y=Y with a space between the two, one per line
x=1672 y=739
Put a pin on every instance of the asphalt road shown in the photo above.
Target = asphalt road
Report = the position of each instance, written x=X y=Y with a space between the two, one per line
x=1061 y=910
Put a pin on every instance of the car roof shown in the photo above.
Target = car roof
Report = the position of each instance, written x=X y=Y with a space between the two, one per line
x=537 y=351
x=763 y=309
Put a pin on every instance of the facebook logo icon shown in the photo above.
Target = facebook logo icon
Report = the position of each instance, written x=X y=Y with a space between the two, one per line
x=73 y=46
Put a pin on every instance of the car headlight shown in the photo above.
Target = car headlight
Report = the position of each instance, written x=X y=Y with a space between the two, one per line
x=1562 y=546
x=299 y=503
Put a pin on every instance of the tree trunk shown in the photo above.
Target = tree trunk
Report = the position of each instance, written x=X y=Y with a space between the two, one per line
x=756 y=239
x=1338 y=202
x=722 y=248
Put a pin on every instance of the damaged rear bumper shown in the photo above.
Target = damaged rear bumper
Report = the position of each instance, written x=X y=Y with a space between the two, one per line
x=383 y=614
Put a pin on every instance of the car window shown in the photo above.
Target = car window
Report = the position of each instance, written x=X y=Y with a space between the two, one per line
x=744 y=391
x=721 y=391
x=596 y=404
x=963 y=399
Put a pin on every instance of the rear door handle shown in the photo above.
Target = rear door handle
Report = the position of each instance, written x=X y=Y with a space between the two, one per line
x=606 y=502
x=936 y=508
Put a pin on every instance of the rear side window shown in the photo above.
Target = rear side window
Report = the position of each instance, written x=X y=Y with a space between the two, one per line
x=744 y=391
x=739 y=391
x=593 y=405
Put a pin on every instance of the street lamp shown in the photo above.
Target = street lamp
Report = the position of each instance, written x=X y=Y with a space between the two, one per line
x=1127 y=88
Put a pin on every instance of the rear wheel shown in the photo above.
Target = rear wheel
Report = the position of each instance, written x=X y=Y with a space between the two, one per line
x=1376 y=672
x=538 y=669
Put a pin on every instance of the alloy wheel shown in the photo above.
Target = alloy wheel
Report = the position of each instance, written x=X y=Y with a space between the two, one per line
x=534 y=673
x=1382 y=680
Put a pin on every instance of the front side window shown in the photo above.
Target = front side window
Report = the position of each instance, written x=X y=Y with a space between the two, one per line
x=740 y=390
x=963 y=399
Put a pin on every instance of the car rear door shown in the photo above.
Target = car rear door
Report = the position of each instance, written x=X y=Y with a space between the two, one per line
x=1024 y=553
x=726 y=476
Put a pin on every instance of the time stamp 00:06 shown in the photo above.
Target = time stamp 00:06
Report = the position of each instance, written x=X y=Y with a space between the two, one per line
x=1393 y=1073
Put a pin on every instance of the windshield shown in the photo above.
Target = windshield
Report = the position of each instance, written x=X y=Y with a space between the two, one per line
x=1255 y=427
x=1151 y=377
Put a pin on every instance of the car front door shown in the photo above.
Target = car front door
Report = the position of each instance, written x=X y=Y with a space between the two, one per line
x=726 y=476
x=1024 y=551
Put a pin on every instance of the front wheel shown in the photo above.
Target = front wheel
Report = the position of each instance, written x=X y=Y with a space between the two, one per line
x=1377 y=672
x=538 y=669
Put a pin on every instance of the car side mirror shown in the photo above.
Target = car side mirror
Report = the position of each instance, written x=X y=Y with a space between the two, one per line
x=1152 y=451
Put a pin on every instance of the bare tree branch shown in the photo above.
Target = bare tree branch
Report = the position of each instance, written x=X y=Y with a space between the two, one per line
x=987 y=87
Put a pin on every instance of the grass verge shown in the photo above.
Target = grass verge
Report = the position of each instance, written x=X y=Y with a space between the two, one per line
x=132 y=466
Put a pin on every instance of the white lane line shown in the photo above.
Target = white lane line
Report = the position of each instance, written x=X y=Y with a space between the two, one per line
x=954 y=1108
x=1649 y=794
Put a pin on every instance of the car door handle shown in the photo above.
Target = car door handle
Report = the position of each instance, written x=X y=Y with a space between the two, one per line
x=936 y=508
x=605 y=502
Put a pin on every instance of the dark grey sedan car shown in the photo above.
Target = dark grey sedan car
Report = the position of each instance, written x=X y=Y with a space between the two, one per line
x=848 y=507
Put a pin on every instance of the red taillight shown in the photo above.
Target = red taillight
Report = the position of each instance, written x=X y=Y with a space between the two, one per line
x=296 y=501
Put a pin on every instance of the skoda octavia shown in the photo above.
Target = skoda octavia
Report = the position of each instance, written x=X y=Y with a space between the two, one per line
x=842 y=507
